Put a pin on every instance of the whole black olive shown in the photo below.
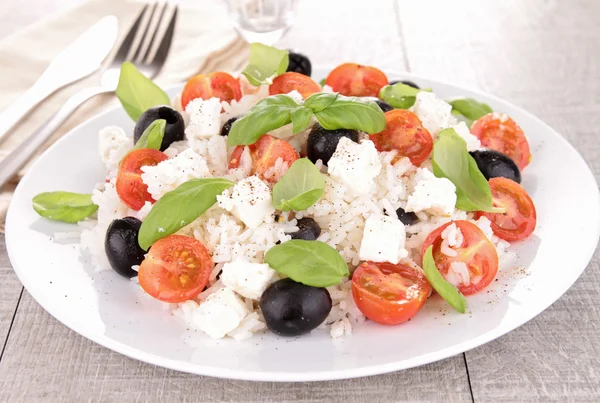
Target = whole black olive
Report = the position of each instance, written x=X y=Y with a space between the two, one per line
x=384 y=106
x=407 y=218
x=322 y=143
x=405 y=82
x=227 y=126
x=493 y=164
x=308 y=229
x=299 y=64
x=174 y=129
x=121 y=245
x=292 y=309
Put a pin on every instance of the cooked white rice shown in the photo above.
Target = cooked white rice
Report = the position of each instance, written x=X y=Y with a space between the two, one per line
x=341 y=213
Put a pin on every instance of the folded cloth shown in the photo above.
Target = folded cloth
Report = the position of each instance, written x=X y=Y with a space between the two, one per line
x=204 y=41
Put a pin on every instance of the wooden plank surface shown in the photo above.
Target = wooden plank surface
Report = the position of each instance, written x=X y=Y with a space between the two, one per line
x=542 y=55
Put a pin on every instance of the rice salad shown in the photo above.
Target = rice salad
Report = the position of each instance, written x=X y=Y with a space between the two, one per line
x=266 y=201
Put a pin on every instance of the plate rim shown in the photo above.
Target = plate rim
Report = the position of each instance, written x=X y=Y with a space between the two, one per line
x=271 y=376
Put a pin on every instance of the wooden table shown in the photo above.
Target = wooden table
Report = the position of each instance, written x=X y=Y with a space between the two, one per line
x=543 y=55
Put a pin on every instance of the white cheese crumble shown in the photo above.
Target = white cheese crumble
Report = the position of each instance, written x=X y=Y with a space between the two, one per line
x=432 y=195
x=221 y=313
x=113 y=144
x=355 y=164
x=383 y=240
x=249 y=280
x=250 y=201
x=169 y=174
x=462 y=130
x=205 y=118
x=434 y=113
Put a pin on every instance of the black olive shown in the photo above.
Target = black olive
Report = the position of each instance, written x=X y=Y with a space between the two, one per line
x=407 y=218
x=384 y=106
x=227 y=126
x=174 y=130
x=121 y=245
x=322 y=143
x=405 y=82
x=292 y=309
x=493 y=164
x=308 y=229
x=299 y=64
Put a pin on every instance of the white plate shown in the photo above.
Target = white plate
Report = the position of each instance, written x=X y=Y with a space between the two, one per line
x=106 y=308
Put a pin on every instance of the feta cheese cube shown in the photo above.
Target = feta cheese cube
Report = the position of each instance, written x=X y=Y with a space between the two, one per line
x=383 y=240
x=169 y=174
x=434 y=113
x=247 y=279
x=220 y=313
x=205 y=118
x=432 y=195
x=250 y=201
x=355 y=164
x=462 y=130
x=113 y=144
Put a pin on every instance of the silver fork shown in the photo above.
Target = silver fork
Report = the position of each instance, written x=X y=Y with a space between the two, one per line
x=141 y=54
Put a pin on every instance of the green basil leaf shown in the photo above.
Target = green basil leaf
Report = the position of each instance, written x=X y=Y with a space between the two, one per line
x=180 y=207
x=400 y=96
x=301 y=118
x=299 y=188
x=322 y=82
x=138 y=93
x=312 y=263
x=452 y=160
x=334 y=111
x=446 y=289
x=269 y=114
x=266 y=63
x=470 y=108
x=152 y=137
x=64 y=206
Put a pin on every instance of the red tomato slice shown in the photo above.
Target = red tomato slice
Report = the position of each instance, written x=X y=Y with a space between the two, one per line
x=176 y=269
x=476 y=251
x=265 y=153
x=388 y=293
x=520 y=218
x=501 y=133
x=352 y=79
x=291 y=81
x=404 y=133
x=130 y=188
x=220 y=85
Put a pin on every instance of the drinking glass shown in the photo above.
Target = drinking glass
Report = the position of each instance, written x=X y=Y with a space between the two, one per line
x=264 y=21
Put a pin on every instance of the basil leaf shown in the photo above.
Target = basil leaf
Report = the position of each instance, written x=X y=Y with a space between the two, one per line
x=64 y=206
x=400 y=96
x=470 y=109
x=269 y=114
x=312 y=263
x=301 y=118
x=299 y=188
x=152 y=137
x=452 y=160
x=266 y=63
x=180 y=207
x=446 y=289
x=334 y=111
x=322 y=82
x=138 y=93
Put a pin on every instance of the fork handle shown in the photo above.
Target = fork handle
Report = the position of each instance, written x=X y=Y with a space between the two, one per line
x=23 y=153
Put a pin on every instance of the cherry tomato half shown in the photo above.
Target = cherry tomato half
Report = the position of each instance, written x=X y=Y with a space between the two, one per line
x=130 y=188
x=501 y=133
x=176 y=269
x=291 y=81
x=352 y=79
x=404 y=133
x=265 y=153
x=520 y=218
x=388 y=293
x=476 y=251
x=220 y=85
